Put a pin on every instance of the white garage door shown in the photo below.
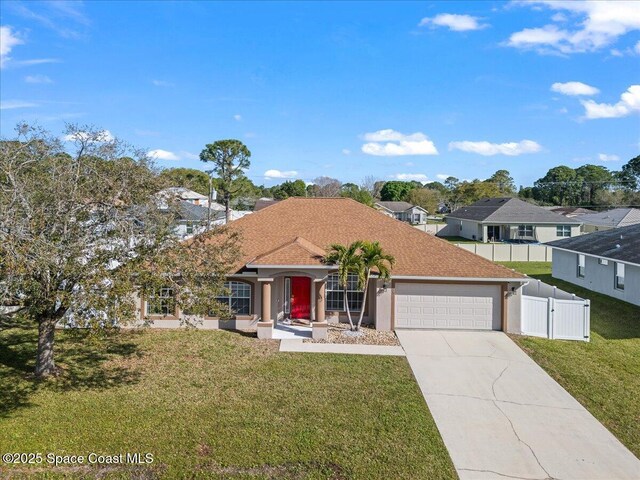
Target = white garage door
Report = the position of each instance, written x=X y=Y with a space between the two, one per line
x=423 y=305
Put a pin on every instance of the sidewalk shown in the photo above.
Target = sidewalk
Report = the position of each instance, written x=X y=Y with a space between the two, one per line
x=297 y=345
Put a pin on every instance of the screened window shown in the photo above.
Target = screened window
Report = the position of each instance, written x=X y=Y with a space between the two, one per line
x=335 y=293
x=238 y=299
x=619 y=280
x=162 y=303
x=563 y=230
x=580 y=265
x=525 y=230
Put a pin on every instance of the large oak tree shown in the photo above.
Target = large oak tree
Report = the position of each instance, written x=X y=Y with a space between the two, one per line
x=81 y=230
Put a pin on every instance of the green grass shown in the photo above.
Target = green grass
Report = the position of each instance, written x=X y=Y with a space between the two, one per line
x=458 y=240
x=604 y=374
x=216 y=404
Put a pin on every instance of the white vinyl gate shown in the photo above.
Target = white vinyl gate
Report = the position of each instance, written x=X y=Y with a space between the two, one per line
x=556 y=318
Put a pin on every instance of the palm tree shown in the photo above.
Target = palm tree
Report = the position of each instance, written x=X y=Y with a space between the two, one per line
x=347 y=258
x=372 y=257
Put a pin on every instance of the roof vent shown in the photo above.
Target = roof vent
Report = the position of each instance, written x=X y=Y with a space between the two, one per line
x=617 y=245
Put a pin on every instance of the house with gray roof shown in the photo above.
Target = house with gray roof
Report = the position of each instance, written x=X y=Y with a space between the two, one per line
x=508 y=219
x=403 y=211
x=616 y=218
x=606 y=262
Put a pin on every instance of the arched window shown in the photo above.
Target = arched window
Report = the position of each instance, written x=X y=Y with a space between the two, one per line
x=238 y=298
x=335 y=293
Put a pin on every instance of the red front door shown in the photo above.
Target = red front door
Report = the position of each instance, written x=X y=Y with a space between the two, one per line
x=300 y=297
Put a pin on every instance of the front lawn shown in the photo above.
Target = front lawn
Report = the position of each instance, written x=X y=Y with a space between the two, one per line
x=216 y=404
x=604 y=374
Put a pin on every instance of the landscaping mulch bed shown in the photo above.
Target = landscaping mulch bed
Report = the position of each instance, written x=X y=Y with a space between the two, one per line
x=341 y=333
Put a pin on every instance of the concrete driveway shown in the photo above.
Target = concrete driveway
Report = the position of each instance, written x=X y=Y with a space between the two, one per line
x=501 y=416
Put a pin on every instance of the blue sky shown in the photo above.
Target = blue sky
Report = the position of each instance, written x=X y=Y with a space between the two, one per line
x=415 y=90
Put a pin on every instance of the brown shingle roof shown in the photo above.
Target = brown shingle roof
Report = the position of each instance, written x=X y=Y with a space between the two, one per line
x=271 y=236
x=299 y=251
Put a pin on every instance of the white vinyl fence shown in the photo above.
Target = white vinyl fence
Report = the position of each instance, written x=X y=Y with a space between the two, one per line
x=431 y=228
x=549 y=312
x=506 y=252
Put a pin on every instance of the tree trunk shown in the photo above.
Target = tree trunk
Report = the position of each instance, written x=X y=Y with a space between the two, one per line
x=227 y=209
x=44 y=360
x=364 y=302
x=346 y=307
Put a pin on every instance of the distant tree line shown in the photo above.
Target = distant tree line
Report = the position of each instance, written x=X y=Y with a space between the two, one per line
x=587 y=185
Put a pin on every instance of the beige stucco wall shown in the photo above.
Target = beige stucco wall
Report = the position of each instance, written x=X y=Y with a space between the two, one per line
x=514 y=308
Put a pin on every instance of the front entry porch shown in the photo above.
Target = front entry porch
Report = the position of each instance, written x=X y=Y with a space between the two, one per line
x=282 y=331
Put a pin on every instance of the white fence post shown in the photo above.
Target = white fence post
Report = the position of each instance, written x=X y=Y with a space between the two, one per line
x=587 y=319
x=550 y=309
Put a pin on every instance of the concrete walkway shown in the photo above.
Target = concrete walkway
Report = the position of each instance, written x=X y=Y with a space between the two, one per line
x=290 y=332
x=300 y=346
x=501 y=416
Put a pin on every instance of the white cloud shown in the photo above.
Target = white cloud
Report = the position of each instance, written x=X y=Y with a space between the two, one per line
x=11 y=104
x=162 y=83
x=596 y=24
x=189 y=155
x=237 y=117
x=397 y=144
x=8 y=40
x=280 y=174
x=457 y=23
x=102 y=136
x=160 y=154
x=443 y=176
x=34 y=61
x=418 y=177
x=346 y=151
x=511 y=149
x=604 y=157
x=616 y=53
x=574 y=88
x=37 y=79
x=629 y=103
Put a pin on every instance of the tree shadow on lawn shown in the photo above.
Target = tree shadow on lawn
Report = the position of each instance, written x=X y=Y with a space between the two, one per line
x=611 y=318
x=86 y=361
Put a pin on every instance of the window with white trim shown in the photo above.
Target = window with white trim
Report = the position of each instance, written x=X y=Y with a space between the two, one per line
x=603 y=261
x=161 y=303
x=581 y=262
x=335 y=293
x=238 y=298
x=525 y=230
x=563 y=230
x=619 y=276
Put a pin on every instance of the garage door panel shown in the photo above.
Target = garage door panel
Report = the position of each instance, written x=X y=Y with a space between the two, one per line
x=421 y=305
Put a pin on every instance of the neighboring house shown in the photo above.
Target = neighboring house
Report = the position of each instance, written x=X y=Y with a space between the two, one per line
x=281 y=275
x=192 y=197
x=571 y=211
x=192 y=219
x=605 y=262
x=220 y=218
x=616 y=218
x=509 y=219
x=264 y=203
x=403 y=211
